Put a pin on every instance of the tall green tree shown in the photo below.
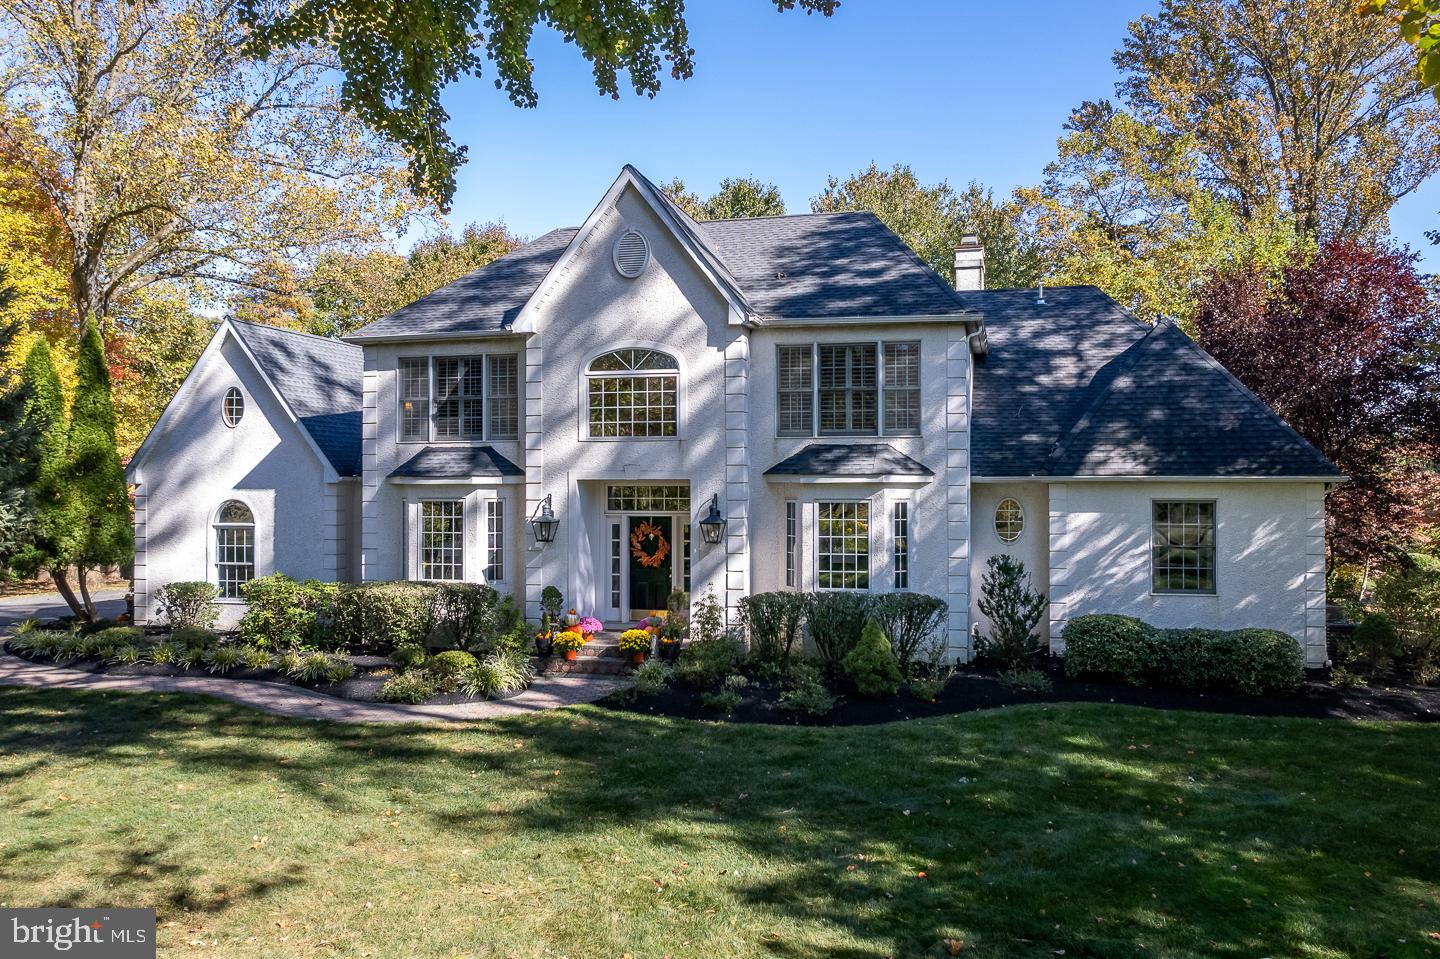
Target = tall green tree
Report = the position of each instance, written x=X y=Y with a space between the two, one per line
x=398 y=57
x=737 y=197
x=933 y=219
x=17 y=444
x=56 y=536
x=1418 y=24
x=96 y=478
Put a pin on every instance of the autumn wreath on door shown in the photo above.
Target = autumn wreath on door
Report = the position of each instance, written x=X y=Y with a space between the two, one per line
x=648 y=545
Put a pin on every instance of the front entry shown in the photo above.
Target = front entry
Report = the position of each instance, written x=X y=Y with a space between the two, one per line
x=651 y=546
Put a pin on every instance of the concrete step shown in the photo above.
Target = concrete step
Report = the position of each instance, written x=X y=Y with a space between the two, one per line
x=589 y=665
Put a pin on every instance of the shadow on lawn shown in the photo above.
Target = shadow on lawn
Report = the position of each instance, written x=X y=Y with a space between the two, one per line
x=1099 y=830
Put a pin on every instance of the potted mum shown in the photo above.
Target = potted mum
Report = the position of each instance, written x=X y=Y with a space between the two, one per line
x=569 y=641
x=636 y=642
x=589 y=626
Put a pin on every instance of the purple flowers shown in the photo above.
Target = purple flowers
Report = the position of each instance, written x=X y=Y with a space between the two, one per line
x=590 y=625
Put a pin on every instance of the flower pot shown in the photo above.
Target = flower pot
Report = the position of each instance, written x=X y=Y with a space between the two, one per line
x=570 y=654
x=637 y=657
x=544 y=647
x=669 y=652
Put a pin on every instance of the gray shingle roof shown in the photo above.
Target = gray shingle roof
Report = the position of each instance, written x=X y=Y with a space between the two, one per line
x=320 y=379
x=849 y=459
x=1078 y=387
x=457 y=462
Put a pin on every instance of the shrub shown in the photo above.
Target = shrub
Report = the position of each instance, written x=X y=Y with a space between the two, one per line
x=255 y=658
x=288 y=663
x=164 y=654
x=1032 y=680
x=651 y=677
x=808 y=695
x=726 y=700
x=194 y=637
x=1375 y=642
x=552 y=603
x=339 y=671
x=1342 y=678
x=914 y=622
x=451 y=665
x=709 y=620
x=382 y=616
x=75 y=647
x=835 y=622
x=222 y=659
x=635 y=641
x=463 y=616
x=1116 y=648
x=312 y=668
x=120 y=636
x=520 y=638
x=704 y=661
x=413 y=687
x=1253 y=661
x=37 y=642
x=410 y=657
x=1014 y=608
x=191 y=657
x=508 y=615
x=188 y=604
x=283 y=613
x=772 y=621
x=497 y=672
x=98 y=626
x=736 y=681
x=927 y=688
x=124 y=654
x=871 y=664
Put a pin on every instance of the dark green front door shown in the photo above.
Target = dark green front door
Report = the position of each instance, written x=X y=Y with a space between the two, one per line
x=652 y=554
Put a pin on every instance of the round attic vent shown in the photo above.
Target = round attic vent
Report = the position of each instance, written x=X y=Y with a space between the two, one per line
x=632 y=254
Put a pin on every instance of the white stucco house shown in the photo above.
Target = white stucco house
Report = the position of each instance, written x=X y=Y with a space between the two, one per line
x=843 y=416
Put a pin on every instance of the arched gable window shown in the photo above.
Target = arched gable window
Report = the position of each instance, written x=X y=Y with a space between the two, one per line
x=634 y=392
x=234 y=548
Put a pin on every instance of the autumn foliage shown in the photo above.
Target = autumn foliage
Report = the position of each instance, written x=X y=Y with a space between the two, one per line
x=1344 y=347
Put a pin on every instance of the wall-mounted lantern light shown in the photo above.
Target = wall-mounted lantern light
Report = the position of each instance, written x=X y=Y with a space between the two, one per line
x=712 y=527
x=543 y=521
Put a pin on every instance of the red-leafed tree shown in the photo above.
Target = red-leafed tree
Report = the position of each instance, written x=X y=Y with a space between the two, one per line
x=1346 y=348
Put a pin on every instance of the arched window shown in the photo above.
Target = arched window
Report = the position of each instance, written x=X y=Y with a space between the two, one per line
x=1009 y=520
x=634 y=392
x=234 y=407
x=234 y=548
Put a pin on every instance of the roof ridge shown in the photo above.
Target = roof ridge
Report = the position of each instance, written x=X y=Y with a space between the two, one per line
x=284 y=329
x=782 y=216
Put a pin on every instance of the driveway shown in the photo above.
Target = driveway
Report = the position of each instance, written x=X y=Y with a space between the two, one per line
x=108 y=602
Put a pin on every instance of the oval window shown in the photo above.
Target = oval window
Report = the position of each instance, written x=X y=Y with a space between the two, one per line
x=234 y=407
x=632 y=254
x=1009 y=520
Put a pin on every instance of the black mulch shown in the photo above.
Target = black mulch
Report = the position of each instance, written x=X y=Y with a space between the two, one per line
x=973 y=689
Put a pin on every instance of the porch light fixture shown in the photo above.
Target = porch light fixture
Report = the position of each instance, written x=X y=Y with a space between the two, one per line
x=543 y=521
x=712 y=527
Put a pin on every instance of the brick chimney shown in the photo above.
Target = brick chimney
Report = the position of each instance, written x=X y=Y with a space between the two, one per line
x=970 y=263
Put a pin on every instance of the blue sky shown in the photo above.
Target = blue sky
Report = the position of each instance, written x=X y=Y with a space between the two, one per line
x=958 y=89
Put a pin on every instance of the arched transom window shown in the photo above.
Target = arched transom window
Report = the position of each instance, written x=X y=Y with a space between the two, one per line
x=634 y=392
x=234 y=548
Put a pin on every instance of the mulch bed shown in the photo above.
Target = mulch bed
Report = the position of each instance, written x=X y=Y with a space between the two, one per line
x=974 y=689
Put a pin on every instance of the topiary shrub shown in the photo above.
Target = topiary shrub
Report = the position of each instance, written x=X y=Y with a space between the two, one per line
x=1255 y=661
x=772 y=622
x=552 y=604
x=871 y=665
x=1014 y=608
x=835 y=621
x=282 y=613
x=1111 y=647
x=188 y=603
x=914 y=622
x=383 y=616
x=451 y=664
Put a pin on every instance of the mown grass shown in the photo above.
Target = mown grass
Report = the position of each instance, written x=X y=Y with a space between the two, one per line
x=1097 y=830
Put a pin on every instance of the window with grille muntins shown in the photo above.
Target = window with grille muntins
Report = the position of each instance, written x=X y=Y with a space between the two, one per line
x=459 y=397
x=494 y=541
x=415 y=399
x=847 y=377
x=615 y=565
x=233 y=408
x=503 y=396
x=792 y=529
x=647 y=499
x=634 y=393
x=842 y=545
x=1183 y=547
x=442 y=540
x=796 y=397
x=234 y=549
x=902 y=389
x=1009 y=520
x=901 y=521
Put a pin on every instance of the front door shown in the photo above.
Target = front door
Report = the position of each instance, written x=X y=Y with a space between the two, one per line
x=651 y=545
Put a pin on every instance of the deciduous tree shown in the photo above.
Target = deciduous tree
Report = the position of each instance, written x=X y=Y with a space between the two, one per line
x=1344 y=349
x=736 y=197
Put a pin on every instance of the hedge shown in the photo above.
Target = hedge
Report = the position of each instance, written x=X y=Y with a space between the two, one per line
x=1125 y=649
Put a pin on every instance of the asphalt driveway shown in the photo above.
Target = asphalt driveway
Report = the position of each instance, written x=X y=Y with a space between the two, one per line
x=13 y=609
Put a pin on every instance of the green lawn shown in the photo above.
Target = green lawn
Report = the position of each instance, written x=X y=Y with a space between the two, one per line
x=1097 y=830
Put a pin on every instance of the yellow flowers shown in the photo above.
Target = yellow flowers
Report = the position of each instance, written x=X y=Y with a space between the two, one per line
x=635 y=641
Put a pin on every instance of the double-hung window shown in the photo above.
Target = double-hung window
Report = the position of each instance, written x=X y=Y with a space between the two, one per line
x=494 y=540
x=848 y=389
x=459 y=397
x=1182 y=550
x=442 y=540
x=234 y=549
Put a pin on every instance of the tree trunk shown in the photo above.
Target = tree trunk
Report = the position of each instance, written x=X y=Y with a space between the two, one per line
x=61 y=579
x=84 y=585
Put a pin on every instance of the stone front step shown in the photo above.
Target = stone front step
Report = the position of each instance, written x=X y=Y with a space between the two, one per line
x=589 y=665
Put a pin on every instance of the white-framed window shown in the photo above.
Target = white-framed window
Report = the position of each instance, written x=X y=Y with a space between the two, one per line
x=442 y=540
x=616 y=551
x=648 y=498
x=633 y=393
x=1182 y=551
x=232 y=410
x=848 y=389
x=900 y=520
x=792 y=541
x=842 y=545
x=459 y=397
x=495 y=541
x=234 y=548
x=1009 y=520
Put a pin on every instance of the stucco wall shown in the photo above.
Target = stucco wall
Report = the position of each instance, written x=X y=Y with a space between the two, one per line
x=197 y=463
x=1032 y=547
x=1269 y=557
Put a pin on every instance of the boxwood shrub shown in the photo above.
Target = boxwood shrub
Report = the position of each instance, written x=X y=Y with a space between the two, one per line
x=1125 y=649
x=281 y=613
